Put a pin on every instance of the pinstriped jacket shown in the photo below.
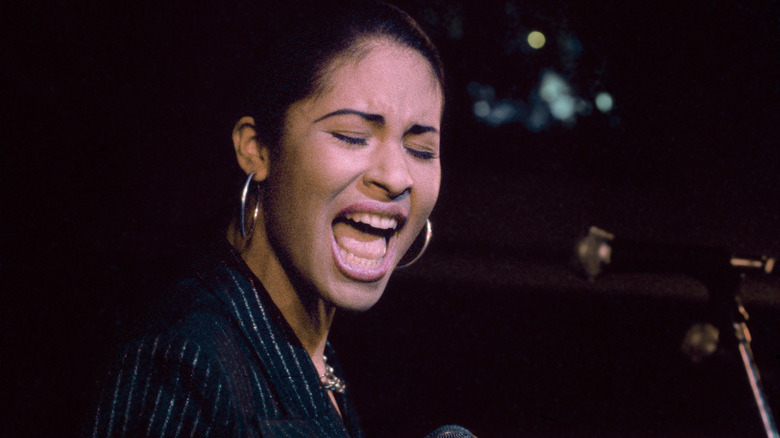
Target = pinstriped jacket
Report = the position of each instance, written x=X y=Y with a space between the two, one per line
x=228 y=365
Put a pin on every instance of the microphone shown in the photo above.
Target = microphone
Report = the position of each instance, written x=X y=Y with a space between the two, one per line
x=450 y=431
x=601 y=251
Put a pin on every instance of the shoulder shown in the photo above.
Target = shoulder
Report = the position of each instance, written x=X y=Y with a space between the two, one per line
x=163 y=385
x=194 y=307
x=177 y=376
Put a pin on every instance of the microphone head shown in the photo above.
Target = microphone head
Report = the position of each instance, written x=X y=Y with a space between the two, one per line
x=450 y=431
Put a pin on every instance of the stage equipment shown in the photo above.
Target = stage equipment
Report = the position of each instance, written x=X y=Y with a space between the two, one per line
x=450 y=431
x=720 y=272
x=600 y=251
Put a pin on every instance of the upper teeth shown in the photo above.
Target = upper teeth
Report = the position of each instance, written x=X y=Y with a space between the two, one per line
x=376 y=221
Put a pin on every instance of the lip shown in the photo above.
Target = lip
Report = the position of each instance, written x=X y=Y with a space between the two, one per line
x=370 y=274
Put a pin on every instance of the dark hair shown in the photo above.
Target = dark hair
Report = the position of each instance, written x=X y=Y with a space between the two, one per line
x=304 y=44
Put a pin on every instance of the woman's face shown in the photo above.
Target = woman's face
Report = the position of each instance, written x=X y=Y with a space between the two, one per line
x=357 y=173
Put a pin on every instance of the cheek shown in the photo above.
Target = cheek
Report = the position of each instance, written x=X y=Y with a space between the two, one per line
x=427 y=183
x=330 y=174
x=325 y=169
x=299 y=182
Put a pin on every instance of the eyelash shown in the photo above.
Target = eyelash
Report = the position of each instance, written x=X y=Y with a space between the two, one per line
x=357 y=141
x=422 y=155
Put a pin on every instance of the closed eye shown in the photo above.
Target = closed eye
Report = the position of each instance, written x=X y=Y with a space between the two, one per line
x=419 y=154
x=351 y=140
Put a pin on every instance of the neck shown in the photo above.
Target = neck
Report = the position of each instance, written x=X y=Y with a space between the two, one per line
x=309 y=316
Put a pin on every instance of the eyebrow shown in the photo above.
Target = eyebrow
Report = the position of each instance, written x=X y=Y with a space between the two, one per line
x=376 y=118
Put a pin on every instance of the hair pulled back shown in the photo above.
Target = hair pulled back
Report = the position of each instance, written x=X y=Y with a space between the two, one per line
x=306 y=38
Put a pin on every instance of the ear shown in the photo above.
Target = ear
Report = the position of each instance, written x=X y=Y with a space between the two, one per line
x=252 y=156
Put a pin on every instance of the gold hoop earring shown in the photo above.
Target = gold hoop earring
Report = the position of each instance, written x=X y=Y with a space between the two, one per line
x=428 y=233
x=244 y=193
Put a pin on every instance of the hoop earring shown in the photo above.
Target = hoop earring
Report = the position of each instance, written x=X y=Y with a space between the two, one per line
x=428 y=230
x=244 y=193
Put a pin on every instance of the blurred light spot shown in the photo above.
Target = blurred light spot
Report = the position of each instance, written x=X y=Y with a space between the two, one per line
x=536 y=39
x=553 y=103
x=562 y=108
x=700 y=342
x=553 y=86
x=561 y=101
x=481 y=109
x=504 y=112
x=604 y=102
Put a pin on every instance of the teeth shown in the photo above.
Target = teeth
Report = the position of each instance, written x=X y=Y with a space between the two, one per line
x=359 y=248
x=374 y=220
x=355 y=260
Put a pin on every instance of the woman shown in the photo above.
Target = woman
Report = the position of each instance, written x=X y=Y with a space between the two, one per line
x=342 y=165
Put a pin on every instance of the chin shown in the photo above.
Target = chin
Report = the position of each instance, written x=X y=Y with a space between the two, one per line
x=355 y=296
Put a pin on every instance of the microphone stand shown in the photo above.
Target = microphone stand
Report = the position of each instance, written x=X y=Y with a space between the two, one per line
x=724 y=293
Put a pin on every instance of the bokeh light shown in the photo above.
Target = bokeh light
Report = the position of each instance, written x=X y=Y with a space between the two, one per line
x=536 y=39
x=604 y=102
x=558 y=94
x=481 y=109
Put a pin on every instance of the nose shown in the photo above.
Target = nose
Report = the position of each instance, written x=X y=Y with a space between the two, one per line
x=388 y=173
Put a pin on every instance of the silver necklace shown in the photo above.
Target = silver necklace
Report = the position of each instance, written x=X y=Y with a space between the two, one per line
x=330 y=381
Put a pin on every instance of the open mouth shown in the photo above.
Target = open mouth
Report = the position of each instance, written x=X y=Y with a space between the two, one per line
x=363 y=242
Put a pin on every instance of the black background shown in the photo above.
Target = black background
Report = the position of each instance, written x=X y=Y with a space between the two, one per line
x=117 y=165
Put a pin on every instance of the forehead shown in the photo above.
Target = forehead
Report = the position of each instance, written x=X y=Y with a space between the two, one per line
x=381 y=75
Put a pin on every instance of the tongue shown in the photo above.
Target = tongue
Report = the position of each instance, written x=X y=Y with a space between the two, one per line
x=363 y=245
